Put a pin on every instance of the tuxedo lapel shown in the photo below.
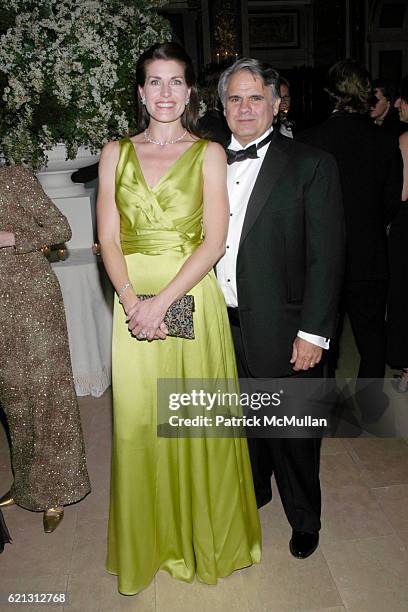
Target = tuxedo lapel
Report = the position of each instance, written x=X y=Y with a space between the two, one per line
x=272 y=167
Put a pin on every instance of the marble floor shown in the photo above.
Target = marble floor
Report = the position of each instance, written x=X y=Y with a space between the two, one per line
x=361 y=564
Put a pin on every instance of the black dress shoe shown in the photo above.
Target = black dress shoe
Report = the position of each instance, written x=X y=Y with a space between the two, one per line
x=303 y=543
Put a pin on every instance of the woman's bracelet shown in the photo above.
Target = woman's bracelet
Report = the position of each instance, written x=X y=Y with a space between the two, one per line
x=123 y=290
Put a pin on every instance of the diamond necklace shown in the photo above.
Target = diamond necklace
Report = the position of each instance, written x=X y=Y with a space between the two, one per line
x=162 y=143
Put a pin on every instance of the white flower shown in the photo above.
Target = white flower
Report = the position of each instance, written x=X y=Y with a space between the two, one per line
x=80 y=55
x=202 y=108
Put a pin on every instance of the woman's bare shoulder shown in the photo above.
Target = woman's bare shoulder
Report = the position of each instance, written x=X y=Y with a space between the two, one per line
x=215 y=147
x=215 y=150
x=404 y=139
x=110 y=151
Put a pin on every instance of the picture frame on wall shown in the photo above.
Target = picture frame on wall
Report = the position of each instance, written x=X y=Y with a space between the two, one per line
x=274 y=30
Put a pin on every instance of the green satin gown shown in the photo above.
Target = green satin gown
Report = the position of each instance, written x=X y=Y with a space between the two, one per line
x=183 y=505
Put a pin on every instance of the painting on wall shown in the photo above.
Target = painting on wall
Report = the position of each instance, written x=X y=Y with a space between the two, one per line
x=273 y=30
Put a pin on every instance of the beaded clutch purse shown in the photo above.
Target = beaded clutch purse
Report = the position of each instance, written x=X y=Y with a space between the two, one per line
x=179 y=316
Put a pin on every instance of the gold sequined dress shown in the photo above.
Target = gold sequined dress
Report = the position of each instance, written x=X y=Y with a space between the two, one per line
x=36 y=385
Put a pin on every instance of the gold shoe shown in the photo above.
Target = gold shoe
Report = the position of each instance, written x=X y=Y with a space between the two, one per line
x=52 y=518
x=7 y=500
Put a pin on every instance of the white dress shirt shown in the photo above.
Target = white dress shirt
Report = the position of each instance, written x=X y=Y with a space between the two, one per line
x=241 y=179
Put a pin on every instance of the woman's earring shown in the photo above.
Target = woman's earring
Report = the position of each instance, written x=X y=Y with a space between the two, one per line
x=187 y=101
x=143 y=101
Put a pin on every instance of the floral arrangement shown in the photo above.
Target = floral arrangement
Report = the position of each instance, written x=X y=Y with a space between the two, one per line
x=68 y=73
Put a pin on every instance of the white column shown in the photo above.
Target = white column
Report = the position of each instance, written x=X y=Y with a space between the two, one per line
x=78 y=210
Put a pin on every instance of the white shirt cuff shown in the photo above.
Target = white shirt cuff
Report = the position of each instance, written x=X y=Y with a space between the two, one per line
x=313 y=339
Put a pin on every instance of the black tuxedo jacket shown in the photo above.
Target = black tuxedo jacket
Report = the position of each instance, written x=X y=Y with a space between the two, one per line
x=290 y=258
x=370 y=169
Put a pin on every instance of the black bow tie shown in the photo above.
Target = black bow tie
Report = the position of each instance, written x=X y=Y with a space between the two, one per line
x=249 y=153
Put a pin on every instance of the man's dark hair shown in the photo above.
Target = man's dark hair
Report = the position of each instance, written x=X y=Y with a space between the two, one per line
x=387 y=88
x=349 y=85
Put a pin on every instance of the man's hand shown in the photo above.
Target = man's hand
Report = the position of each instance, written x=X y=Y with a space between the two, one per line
x=305 y=355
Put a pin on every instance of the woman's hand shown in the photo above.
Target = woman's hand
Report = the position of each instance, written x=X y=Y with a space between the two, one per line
x=145 y=319
x=7 y=239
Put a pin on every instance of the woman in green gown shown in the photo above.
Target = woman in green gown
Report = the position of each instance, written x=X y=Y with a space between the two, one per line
x=185 y=505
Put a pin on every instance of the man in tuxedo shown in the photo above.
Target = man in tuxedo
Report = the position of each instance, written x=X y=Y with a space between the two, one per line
x=280 y=275
x=370 y=170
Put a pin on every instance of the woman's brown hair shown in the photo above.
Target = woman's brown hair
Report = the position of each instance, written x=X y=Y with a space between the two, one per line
x=175 y=52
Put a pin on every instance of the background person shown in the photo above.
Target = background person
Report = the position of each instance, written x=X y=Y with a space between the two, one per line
x=383 y=111
x=212 y=124
x=370 y=176
x=286 y=125
x=397 y=329
x=36 y=385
